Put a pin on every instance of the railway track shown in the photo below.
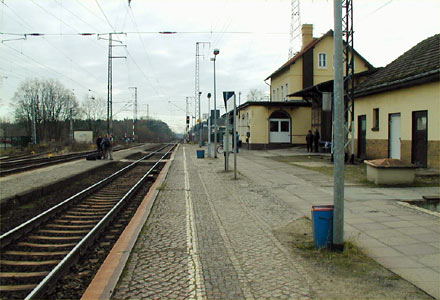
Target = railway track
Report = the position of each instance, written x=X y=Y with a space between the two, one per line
x=12 y=166
x=36 y=254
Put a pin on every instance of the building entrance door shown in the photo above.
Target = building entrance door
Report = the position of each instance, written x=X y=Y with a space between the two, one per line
x=279 y=130
x=362 y=136
x=419 y=144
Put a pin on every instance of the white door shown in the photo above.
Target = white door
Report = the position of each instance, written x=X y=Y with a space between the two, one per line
x=279 y=130
x=395 y=136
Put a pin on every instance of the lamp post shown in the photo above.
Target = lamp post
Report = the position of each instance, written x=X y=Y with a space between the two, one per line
x=209 y=125
x=216 y=52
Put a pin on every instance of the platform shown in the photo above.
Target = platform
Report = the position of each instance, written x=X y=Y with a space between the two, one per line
x=212 y=237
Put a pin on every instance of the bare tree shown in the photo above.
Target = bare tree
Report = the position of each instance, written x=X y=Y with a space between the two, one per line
x=255 y=95
x=49 y=102
x=94 y=112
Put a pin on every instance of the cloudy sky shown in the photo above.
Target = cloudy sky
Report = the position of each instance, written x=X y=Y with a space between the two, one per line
x=252 y=36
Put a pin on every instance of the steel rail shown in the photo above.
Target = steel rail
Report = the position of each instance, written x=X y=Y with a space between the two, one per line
x=37 y=162
x=82 y=245
x=17 y=232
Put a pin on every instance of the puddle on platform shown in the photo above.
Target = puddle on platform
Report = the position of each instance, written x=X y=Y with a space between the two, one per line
x=429 y=204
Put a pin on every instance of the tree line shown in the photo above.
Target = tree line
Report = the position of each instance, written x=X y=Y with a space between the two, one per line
x=49 y=108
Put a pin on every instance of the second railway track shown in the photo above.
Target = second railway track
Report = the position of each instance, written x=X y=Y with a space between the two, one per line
x=36 y=254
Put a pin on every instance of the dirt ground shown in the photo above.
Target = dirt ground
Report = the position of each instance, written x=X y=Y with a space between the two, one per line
x=344 y=275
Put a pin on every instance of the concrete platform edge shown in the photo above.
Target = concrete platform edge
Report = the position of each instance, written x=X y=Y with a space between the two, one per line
x=107 y=277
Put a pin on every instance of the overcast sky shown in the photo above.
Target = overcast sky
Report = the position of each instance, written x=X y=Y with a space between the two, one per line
x=253 y=38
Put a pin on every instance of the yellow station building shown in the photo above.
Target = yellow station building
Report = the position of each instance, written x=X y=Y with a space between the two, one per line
x=285 y=120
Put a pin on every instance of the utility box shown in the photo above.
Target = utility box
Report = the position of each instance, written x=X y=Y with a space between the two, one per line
x=229 y=137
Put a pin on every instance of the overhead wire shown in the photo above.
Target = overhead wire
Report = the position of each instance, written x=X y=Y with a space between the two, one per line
x=26 y=24
x=75 y=15
x=46 y=67
x=102 y=11
x=146 y=54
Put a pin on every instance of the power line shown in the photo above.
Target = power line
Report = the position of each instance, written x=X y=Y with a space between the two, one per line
x=46 y=67
x=48 y=12
x=76 y=16
x=108 y=21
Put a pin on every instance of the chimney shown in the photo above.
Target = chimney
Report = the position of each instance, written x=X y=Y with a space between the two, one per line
x=307 y=35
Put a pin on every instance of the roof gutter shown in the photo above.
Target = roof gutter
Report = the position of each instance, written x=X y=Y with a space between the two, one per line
x=425 y=77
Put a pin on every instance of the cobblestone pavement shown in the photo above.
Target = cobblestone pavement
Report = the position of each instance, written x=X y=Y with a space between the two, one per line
x=210 y=237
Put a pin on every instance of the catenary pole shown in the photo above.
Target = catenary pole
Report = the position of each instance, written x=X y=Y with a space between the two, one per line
x=235 y=138
x=209 y=125
x=216 y=52
x=338 y=90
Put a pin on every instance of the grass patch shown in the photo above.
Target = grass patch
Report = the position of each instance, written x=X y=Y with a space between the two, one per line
x=162 y=187
x=349 y=274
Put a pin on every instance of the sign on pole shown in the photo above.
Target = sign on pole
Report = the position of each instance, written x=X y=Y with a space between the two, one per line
x=228 y=97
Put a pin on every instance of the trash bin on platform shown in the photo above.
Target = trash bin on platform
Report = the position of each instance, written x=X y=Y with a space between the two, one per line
x=322 y=220
x=200 y=153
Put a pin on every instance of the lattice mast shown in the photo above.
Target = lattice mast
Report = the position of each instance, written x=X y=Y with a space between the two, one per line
x=197 y=112
x=347 y=31
x=295 y=29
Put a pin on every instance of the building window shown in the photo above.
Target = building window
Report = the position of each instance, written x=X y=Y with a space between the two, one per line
x=273 y=126
x=375 y=119
x=322 y=60
x=285 y=126
x=278 y=93
x=287 y=91
x=282 y=92
x=274 y=95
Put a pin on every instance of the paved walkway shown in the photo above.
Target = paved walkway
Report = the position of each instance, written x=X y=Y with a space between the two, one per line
x=220 y=230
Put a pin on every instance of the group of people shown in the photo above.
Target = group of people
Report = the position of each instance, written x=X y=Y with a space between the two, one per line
x=105 y=147
x=312 y=141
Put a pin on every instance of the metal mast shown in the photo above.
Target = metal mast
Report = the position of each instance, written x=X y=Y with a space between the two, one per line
x=109 y=87
x=197 y=85
x=110 y=78
x=135 y=110
x=347 y=30
x=295 y=29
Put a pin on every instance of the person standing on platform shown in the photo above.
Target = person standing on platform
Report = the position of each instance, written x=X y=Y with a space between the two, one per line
x=316 y=139
x=98 y=145
x=105 y=145
x=110 y=148
x=309 y=141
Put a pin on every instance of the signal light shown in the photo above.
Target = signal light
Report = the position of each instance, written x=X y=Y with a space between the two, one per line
x=187 y=119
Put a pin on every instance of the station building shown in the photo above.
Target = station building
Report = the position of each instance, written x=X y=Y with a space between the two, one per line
x=397 y=108
x=285 y=120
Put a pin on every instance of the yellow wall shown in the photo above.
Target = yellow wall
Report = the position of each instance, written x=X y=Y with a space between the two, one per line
x=403 y=101
x=258 y=123
x=293 y=76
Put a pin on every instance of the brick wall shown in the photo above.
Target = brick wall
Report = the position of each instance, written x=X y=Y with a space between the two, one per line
x=434 y=154
x=377 y=149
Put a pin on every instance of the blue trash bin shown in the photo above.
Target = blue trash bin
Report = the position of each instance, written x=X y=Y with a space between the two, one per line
x=200 y=153
x=322 y=220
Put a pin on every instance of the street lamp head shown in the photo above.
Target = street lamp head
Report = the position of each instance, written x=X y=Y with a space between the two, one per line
x=209 y=95
x=216 y=52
